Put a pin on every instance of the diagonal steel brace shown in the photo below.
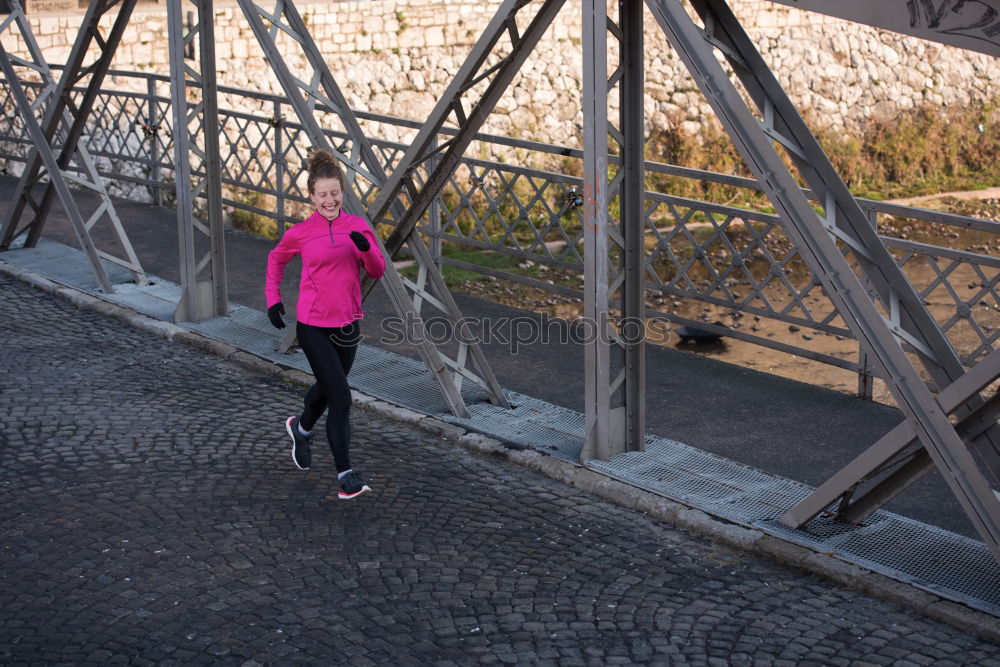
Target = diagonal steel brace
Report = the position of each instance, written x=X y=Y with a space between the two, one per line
x=446 y=155
x=911 y=467
x=363 y=160
x=908 y=317
x=90 y=177
x=816 y=239
x=57 y=182
x=62 y=101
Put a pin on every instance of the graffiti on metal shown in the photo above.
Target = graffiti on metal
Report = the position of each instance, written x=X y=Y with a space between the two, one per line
x=969 y=24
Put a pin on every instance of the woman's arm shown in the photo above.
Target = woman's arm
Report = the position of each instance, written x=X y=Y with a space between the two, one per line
x=279 y=256
x=372 y=259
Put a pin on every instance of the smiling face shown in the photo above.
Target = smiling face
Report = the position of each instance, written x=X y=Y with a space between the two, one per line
x=327 y=196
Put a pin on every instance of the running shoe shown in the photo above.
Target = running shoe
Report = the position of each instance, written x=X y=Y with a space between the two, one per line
x=300 y=444
x=351 y=486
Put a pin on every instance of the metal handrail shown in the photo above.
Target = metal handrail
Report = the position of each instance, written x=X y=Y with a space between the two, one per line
x=465 y=222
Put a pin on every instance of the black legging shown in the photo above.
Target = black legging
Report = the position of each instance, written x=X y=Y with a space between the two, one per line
x=330 y=352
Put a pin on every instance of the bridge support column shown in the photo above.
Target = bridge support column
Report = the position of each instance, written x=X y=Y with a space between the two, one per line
x=197 y=163
x=613 y=249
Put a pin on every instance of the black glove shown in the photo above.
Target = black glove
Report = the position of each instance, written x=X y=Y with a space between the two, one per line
x=360 y=241
x=274 y=313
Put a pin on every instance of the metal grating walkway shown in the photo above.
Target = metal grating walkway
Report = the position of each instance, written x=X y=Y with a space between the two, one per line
x=947 y=564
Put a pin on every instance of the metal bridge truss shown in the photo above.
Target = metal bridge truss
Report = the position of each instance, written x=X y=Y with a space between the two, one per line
x=63 y=122
x=717 y=255
x=949 y=425
x=841 y=248
x=859 y=275
x=367 y=173
x=195 y=134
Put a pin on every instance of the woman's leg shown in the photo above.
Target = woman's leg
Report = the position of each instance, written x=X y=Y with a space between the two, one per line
x=331 y=354
x=312 y=342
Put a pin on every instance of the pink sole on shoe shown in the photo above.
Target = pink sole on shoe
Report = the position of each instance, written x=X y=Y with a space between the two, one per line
x=349 y=496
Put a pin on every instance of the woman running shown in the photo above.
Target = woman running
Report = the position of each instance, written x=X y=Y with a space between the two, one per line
x=333 y=246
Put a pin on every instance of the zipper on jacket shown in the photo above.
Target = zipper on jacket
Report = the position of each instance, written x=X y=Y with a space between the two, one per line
x=329 y=226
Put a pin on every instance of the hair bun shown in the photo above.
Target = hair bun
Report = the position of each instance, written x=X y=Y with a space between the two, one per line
x=319 y=158
x=322 y=164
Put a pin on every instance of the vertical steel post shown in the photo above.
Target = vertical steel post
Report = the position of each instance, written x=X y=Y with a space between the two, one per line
x=204 y=298
x=614 y=355
x=150 y=133
x=210 y=132
x=633 y=160
x=597 y=354
x=182 y=165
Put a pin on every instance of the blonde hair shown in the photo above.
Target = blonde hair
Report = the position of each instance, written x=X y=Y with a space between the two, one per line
x=322 y=164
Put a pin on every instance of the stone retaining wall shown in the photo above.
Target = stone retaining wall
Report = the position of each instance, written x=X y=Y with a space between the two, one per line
x=397 y=56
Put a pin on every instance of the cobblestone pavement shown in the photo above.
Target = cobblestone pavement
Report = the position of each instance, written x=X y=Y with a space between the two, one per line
x=151 y=515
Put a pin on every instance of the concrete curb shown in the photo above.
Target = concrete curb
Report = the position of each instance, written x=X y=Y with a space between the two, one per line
x=983 y=625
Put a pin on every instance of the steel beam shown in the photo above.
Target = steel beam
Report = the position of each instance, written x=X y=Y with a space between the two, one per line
x=614 y=391
x=196 y=134
x=598 y=431
x=896 y=449
x=360 y=158
x=907 y=315
x=63 y=123
x=75 y=71
x=58 y=183
x=967 y=25
x=632 y=335
x=909 y=319
x=780 y=122
x=817 y=239
x=460 y=104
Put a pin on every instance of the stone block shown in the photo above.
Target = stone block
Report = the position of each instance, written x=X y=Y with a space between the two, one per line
x=833 y=568
x=398 y=412
x=481 y=443
x=442 y=428
x=658 y=506
x=205 y=344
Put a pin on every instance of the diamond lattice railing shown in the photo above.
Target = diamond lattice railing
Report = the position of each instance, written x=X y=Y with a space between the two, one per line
x=247 y=148
x=696 y=252
x=11 y=126
x=735 y=259
x=117 y=133
x=13 y=134
x=525 y=212
x=961 y=293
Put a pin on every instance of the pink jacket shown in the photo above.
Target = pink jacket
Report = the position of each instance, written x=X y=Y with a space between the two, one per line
x=330 y=288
